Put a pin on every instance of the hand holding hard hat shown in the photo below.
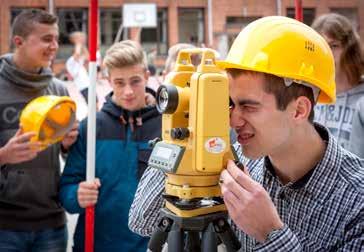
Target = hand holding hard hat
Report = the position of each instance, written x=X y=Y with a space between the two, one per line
x=19 y=148
x=49 y=117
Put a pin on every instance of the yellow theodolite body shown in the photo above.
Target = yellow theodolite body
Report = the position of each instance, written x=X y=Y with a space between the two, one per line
x=50 y=117
x=202 y=110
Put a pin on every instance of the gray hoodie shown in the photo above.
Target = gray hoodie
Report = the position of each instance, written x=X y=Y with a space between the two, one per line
x=357 y=133
x=28 y=190
x=338 y=117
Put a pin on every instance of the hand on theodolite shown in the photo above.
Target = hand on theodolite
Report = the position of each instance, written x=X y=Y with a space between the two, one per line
x=248 y=203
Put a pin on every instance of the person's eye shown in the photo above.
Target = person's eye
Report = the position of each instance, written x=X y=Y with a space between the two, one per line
x=48 y=39
x=119 y=83
x=135 y=82
x=334 y=46
x=248 y=108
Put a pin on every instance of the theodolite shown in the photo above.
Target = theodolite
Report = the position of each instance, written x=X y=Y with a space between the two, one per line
x=194 y=150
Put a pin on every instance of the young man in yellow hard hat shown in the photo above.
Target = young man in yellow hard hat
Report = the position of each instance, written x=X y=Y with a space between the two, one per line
x=299 y=191
x=31 y=217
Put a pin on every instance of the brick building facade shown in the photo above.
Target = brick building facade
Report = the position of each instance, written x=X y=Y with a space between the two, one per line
x=178 y=20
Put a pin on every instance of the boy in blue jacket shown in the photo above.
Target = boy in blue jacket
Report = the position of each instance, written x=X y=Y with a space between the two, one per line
x=124 y=126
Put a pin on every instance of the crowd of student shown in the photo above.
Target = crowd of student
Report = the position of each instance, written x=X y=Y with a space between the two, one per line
x=302 y=189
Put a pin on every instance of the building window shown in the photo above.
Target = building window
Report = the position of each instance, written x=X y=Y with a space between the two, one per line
x=155 y=40
x=308 y=14
x=191 y=26
x=70 y=20
x=110 y=21
x=235 y=24
x=350 y=13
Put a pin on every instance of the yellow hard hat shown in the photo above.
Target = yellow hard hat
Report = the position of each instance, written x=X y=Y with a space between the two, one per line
x=286 y=48
x=50 y=117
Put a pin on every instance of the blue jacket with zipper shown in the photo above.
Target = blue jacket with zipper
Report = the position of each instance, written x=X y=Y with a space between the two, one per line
x=122 y=153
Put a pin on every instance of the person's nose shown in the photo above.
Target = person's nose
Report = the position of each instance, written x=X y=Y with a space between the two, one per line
x=128 y=91
x=236 y=118
x=54 y=45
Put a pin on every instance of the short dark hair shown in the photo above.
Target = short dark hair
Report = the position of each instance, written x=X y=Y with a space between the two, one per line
x=24 y=23
x=283 y=94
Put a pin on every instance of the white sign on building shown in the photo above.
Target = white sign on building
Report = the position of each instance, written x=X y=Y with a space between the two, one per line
x=139 y=15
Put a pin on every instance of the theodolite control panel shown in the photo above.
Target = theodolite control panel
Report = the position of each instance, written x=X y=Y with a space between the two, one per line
x=166 y=157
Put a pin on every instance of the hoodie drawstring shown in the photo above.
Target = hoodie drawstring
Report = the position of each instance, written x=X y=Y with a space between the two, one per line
x=131 y=120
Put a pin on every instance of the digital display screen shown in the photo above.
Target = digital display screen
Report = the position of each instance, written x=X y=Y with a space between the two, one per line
x=163 y=152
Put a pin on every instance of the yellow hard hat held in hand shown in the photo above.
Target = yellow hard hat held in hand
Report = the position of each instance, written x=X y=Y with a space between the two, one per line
x=286 y=48
x=50 y=117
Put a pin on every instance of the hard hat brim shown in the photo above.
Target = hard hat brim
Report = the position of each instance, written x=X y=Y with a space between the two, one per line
x=225 y=64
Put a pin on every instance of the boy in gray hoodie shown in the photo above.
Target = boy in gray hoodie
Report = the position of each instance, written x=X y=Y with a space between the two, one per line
x=31 y=217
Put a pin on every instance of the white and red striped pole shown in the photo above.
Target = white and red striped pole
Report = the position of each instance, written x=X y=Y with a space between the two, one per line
x=91 y=121
x=298 y=10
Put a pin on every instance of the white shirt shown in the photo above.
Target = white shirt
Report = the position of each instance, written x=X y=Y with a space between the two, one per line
x=78 y=72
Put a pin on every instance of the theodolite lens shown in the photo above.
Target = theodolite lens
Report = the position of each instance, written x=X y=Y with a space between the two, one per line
x=162 y=100
x=167 y=99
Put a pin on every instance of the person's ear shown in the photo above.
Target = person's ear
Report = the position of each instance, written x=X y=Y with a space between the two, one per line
x=18 y=41
x=302 y=108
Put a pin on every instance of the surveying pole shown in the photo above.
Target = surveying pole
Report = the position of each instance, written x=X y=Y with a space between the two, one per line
x=298 y=10
x=91 y=122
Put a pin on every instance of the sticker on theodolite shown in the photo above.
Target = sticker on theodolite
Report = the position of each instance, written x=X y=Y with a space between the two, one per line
x=215 y=145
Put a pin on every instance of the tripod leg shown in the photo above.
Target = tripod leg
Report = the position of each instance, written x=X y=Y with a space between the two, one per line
x=193 y=241
x=209 y=240
x=175 y=239
x=159 y=236
x=227 y=235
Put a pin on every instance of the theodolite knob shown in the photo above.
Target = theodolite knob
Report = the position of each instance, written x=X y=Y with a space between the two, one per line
x=180 y=133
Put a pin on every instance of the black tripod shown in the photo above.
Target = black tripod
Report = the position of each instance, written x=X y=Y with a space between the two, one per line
x=203 y=233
